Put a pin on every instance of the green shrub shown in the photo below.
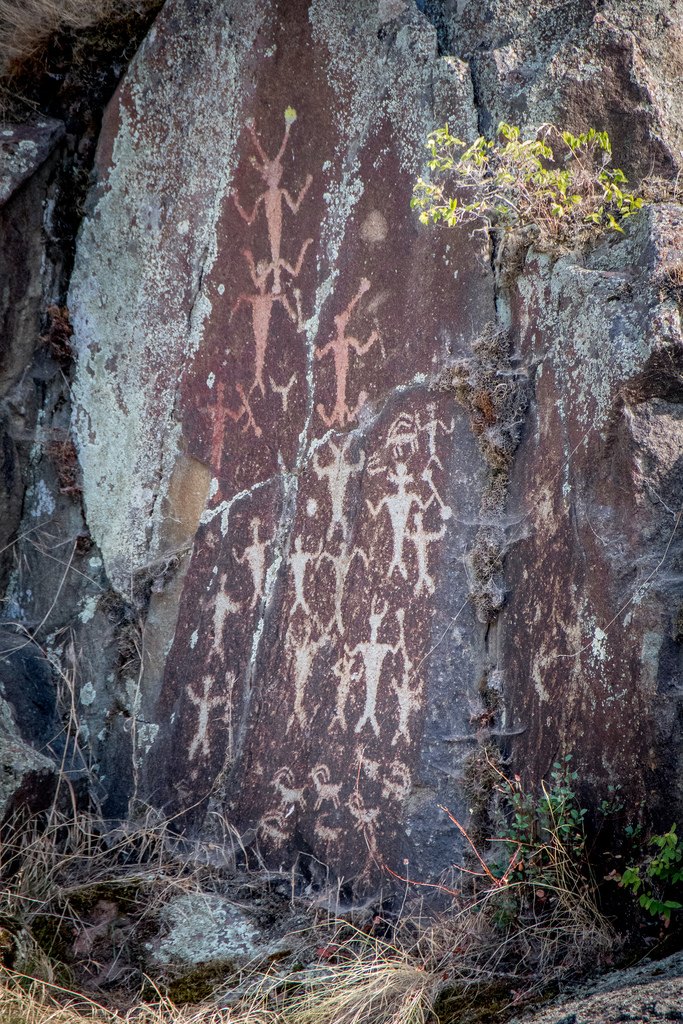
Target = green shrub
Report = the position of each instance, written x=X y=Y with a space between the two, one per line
x=657 y=876
x=559 y=196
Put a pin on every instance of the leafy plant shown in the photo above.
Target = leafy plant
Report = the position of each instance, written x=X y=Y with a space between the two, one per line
x=508 y=184
x=548 y=830
x=657 y=876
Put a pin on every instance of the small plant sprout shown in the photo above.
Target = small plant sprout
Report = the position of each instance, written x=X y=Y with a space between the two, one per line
x=556 y=186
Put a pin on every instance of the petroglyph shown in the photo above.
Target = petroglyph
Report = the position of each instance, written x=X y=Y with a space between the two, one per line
x=409 y=701
x=283 y=783
x=446 y=511
x=298 y=560
x=345 y=675
x=373 y=653
x=397 y=785
x=223 y=607
x=262 y=303
x=270 y=171
x=399 y=506
x=366 y=819
x=304 y=652
x=283 y=390
x=325 y=833
x=336 y=475
x=421 y=539
x=432 y=428
x=255 y=558
x=327 y=791
x=205 y=704
x=341 y=565
x=403 y=434
x=273 y=825
x=339 y=346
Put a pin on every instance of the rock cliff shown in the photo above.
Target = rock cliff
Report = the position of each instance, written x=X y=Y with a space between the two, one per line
x=361 y=499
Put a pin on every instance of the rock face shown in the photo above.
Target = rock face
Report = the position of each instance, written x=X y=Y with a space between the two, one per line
x=373 y=501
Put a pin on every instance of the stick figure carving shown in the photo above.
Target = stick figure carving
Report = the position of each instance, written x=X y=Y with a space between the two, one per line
x=204 y=704
x=373 y=653
x=298 y=561
x=339 y=346
x=399 y=506
x=255 y=557
x=262 y=303
x=421 y=539
x=336 y=474
x=270 y=171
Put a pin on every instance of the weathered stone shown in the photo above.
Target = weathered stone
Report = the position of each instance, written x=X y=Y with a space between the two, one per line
x=27 y=777
x=199 y=928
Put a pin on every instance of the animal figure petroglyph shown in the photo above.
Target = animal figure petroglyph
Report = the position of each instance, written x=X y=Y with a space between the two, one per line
x=326 y=790
x=283 y=783
x=270 y=170
x=339 y=346
x=327 y=834
x=273 y=825
x=336 y=475
x=255 y=557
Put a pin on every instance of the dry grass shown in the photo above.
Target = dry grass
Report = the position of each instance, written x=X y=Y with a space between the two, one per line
x=26 y=26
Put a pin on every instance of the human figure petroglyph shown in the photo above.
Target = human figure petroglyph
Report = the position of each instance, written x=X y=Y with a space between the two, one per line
x=373 y=654
x=205 y=705
x=223 y=606
x=341 y=565
x=431 y=428
x=254 y=555
x=421 y=539
x=339 y=346
x=305 y=652
x=409 y=701
x=327 y=791
x=283 y=783
x=399 y=506
x=262 y=303
x=298 y=560
x=336 y=475
x=345 y=675
x=270 y=171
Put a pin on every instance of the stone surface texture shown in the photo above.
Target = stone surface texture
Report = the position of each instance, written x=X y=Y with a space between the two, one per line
x=357 y=502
